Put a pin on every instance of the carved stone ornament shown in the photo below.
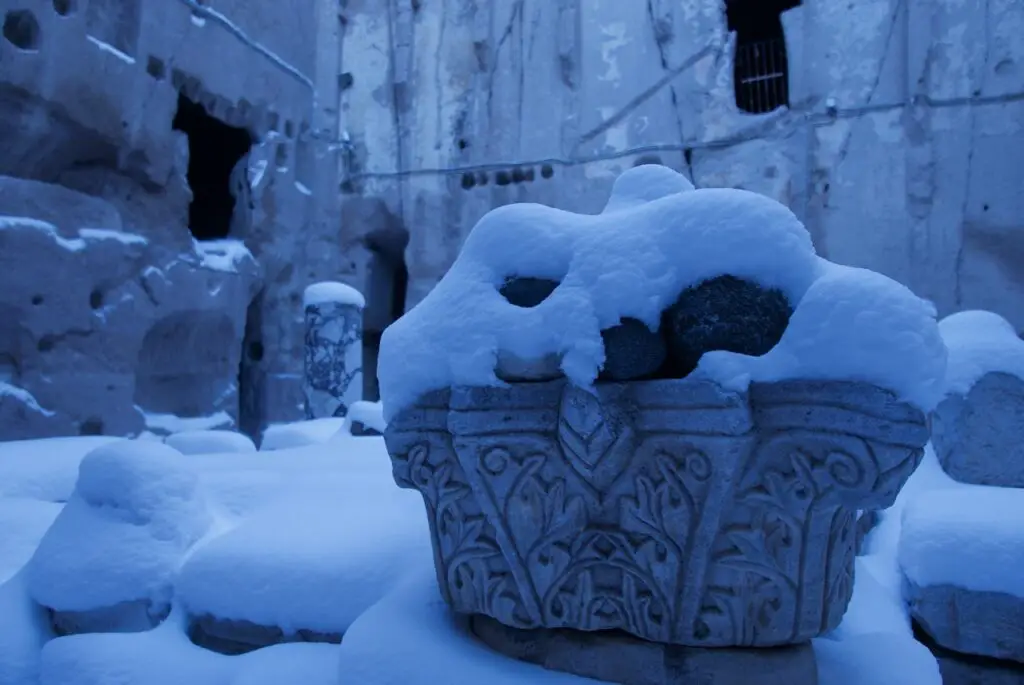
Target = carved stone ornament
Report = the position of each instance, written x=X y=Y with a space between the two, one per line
x=670 y=509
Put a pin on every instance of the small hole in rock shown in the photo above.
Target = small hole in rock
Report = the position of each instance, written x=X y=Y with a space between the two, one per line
x=155 y=68
x=984 y=207
x=547 y=171
x=256 y=351
x=96 y=299
x=462 y=144
x=64 y=7
x=517 y=175
x=502 y=179
x=45 y=343
x=91 y=427
x=21 y=28
x=345 y=81
x=527 y=291
x=468 y=181
x=37 y=300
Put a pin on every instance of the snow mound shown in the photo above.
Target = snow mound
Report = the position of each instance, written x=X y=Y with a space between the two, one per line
x=210 y=442
x=656 y=237
x=370 y=414
x=135 y=512
x=332 y=291
x=314 y=559
x=979 y=343
x=23 y=522
x=970 y=536
x=300 y=434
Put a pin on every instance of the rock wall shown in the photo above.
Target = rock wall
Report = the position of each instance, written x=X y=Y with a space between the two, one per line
x=90 y=97
x=899 y=149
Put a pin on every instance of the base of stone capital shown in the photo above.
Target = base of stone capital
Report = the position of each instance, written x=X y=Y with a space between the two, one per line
x=617 y=657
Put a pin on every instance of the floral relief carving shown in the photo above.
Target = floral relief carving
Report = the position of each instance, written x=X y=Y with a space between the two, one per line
x=590 y=516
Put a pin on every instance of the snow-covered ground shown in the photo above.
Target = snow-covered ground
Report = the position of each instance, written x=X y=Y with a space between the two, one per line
x=318 y=538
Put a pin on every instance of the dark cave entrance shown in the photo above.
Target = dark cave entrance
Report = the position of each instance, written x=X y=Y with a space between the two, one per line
x=760 y=65
x=386 y=299
x=214 y=148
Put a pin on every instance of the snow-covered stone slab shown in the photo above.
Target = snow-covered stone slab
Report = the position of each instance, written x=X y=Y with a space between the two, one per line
x=962 y=551
x=210 y=442
x=281 y=436
x=978 y=430
x=109 y=561
x=305 y=565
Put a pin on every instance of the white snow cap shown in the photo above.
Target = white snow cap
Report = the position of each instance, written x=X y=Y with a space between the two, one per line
x=979 y=343
x=332 y=291
x=656 y=237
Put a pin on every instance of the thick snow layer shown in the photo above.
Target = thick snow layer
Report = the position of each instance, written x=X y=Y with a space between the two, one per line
x=210 y=442
x=332 y=291
x=164 y=656
x=23 y=522
x=656 y=237
x=44 y=469
x=98 y=234
x=281 y=436
x=852 y=324
x=979 y=343
x=135 y=512
x=23 y=396
x=370 y=414
x=970 y=536
x=314 y=559
x=24 y=630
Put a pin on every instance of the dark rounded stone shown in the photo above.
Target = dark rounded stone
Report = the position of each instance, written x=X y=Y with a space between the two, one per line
x=527 y=291
x=723 y=313
x=631 y=351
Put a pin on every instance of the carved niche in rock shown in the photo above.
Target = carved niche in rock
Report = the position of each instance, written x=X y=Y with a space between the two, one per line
x=670 y=509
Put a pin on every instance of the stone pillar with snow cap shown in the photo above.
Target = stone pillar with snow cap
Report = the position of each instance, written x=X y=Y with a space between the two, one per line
x=333 y=378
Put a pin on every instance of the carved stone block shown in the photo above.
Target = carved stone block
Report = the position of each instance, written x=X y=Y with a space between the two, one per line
x=333 y=358
x=670 y=509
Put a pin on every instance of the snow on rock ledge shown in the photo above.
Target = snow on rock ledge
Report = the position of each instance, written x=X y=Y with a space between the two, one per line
x=656 y=237
x=332 y=292
x=108 y=561
x=979 y=343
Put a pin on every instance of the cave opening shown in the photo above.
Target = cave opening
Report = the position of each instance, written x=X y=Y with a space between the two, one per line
x=386 y=299
x=760 y=64
x=214 y=151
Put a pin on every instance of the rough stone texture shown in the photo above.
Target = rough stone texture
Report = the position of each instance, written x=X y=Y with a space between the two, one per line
x=21 y=417
x=983 y=623
x=672 y=510
x=723 y=313
x=866 y=522
x=631 y=351
x=977 y=437
x=895 y=151
x=232 y=637
x=88 y=102
x=968 y=669
x=617 y=657
x=116 y=325
x=528 y=292
x=334 y=366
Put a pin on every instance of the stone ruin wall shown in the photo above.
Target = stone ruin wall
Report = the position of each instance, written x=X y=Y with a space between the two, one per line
x=96 y=327
x=900 y=149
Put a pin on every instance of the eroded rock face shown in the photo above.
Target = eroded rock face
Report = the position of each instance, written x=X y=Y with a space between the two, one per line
x=977 y=437
x=723 y=313
x=672 y=510
x=117 y=326
x=988 y=624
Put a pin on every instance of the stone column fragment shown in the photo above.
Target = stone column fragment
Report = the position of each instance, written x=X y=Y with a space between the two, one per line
x=334 y=349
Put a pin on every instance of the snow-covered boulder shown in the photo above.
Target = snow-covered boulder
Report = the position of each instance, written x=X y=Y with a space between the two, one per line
x=210 y=442
x=978 y=429
x=709 y=502
x=109 y=561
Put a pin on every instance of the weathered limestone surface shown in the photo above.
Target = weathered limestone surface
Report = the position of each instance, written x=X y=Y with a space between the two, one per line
x=617 y=657
x=88 y=94
x=671 y=510
x=987 y=624
x=977 y=437
x=101 y=325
